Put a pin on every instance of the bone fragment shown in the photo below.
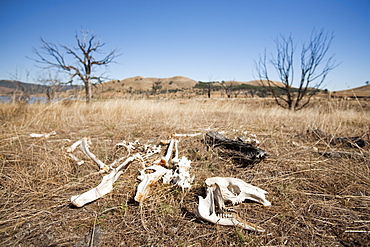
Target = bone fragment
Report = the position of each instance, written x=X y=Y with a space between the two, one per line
x=315 y=149
x=207 y=211
x=74 y=146
x=79 y=162
x=186 y=135
x=85 y=148
x=164 y=160
x=104 y=187
x=237 y=191
x=175 y=159
x=46 y=135
x=148 y=179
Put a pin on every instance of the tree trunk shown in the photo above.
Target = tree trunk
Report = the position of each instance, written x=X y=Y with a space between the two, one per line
x=88 y=90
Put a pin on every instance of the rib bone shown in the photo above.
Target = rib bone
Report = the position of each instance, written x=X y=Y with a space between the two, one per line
x=85 y=148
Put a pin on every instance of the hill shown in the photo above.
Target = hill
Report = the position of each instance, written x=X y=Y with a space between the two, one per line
x=363 y=91
x=11 y=86
x=143 y=84
x=139 y=83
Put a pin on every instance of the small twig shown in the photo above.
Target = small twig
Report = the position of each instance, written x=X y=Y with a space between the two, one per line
x=93 y=232
x=142 y=219
x=356 y=231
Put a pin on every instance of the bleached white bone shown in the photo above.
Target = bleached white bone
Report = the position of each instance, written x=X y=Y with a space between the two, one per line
x=46 y=135
x=167 y=157
x=175 y=159
x=73 y=146
x=186 y=135
x=148 y=179
x=207 y=211
x=79 y=162
x=237 y=191
x=151 y=149
x=85 y=148
x=182 y=176
x=104 y=187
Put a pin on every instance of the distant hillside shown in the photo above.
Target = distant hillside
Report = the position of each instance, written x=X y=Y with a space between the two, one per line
x=363 y=91
x=143 y=84
x=173 y=83
x=10 y=86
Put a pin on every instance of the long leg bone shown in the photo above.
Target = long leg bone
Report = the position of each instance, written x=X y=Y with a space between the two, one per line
x=104 y=187
x=164 y=161
x=207 y=211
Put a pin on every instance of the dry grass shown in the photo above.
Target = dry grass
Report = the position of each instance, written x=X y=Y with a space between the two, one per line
x=316 y=200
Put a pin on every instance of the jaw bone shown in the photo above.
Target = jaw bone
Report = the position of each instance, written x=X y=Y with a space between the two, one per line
x=235 y=190
x=105 y=186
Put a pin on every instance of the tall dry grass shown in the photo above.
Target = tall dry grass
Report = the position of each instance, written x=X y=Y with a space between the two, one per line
x=316 y=200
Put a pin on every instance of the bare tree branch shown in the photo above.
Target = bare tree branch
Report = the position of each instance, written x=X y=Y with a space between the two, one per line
x=314 y=69
x=83 y=57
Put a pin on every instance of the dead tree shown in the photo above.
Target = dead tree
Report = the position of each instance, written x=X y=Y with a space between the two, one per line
x=83 y=61
x=156 y=87
x=313 y=71
x=228 y=87
x=51 y=83
x=21 y=94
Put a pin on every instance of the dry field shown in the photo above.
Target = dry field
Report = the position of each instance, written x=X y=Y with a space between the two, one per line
x=317 y=200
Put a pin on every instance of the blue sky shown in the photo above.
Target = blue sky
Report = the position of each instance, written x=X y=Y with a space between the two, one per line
x=200 y=39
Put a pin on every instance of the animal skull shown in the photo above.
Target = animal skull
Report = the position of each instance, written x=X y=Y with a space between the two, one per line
x=237 y=191
x=221 y=189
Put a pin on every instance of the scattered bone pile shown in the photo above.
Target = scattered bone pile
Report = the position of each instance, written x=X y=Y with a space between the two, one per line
x=176 y=171
x=180 y=176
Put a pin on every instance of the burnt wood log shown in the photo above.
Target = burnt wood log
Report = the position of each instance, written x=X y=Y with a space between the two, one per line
x=241 y=152
x=352 y=142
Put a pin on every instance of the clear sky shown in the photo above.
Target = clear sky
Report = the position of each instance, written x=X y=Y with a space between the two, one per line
x=200 y=39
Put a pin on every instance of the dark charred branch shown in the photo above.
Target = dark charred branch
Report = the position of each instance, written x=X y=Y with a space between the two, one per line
x=352 y=142
x=242 y=153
